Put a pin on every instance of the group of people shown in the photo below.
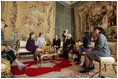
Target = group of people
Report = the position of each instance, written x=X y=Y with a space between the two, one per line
x=41 y=42
x=100 y=49
x=68 y=44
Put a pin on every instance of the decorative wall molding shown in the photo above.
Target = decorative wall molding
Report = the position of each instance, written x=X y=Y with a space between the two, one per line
x=70 y=4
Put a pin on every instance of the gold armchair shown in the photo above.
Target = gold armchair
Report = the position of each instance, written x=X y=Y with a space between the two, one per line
x=5 y=65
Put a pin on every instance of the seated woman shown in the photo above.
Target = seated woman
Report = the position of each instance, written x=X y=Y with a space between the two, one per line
x=30 y=46
x=41 y=40
x=68 y=46
x=56 y=43
x=84 y=47
x=7 y=52
x=101 y=49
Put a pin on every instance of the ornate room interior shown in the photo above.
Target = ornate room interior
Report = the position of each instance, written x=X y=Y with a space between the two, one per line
x=57 y=17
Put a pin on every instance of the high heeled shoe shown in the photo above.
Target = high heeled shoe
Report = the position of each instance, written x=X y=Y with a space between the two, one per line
x=84 y=71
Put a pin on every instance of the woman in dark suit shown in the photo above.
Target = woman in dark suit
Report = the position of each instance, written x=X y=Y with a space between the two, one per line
x=56 y=42
x=30 y=46
x=84 y=47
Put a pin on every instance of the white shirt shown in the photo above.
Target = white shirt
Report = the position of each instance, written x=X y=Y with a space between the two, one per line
x=41 y=41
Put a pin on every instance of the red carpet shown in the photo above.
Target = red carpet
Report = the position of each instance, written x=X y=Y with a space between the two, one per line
x=41 y=70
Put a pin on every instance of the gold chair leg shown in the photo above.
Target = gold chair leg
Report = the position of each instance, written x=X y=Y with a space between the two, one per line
x=41 y=60
x=105 y=67
x=71 y=54
x=18 y=55
x=7 y=74
x=113 y=65
x=37 y=59
x=100 y=69
x=56 y=56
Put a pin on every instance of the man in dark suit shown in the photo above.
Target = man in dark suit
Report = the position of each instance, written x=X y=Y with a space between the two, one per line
x=69 y=45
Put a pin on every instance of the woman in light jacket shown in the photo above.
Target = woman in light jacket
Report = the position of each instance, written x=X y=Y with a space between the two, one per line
x=41 y=40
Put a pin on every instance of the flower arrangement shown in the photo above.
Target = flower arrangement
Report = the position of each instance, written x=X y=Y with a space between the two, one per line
x=48 y=49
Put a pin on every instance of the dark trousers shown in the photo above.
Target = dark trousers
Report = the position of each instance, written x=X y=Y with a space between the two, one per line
x=9 y=56
x=79 y=54
x=66 y=51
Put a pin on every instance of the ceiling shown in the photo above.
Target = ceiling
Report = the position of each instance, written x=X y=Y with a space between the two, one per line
x=70 y=3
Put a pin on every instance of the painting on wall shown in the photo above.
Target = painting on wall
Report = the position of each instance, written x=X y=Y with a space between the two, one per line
x=23 y=17
x=97 y=14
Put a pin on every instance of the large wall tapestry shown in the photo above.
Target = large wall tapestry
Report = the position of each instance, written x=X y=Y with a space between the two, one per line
x=92 y=14
x=24 y=17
